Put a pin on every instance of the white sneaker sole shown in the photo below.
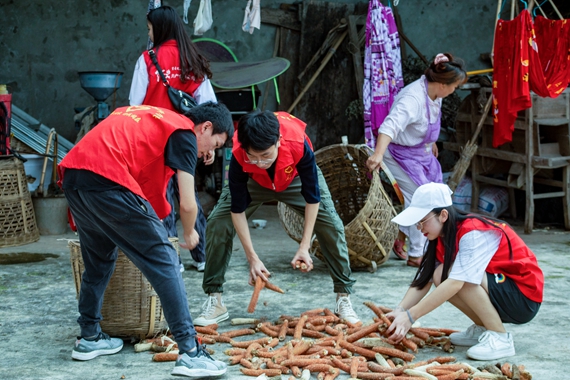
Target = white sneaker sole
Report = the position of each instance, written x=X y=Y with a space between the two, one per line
x=198 y=372
x=93 y=354
x=485 y=356
x=200 y=321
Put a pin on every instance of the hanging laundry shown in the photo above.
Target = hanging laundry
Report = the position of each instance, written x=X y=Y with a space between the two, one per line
x=553 y=41
x=521 y=65
x=511 y=90
x=203 y=20
x=185 y=12
x=252 y=17
x=383 y=77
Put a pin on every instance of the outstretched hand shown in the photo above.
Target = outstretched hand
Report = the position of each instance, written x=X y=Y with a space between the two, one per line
x=302 y=261
x=400 y=325
x=257 y=269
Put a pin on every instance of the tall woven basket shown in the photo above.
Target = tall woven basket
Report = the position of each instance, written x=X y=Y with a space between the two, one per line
x=360 y=201
x=17 y=218
x=131 y=307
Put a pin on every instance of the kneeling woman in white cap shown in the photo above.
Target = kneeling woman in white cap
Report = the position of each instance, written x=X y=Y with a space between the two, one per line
x=477 y=263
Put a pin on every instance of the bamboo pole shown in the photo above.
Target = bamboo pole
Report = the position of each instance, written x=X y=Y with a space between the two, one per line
x=327 y=58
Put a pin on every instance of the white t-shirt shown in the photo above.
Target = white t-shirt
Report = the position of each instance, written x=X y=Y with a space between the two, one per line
x=204 y=93
x=407 y=121
x=476 y=249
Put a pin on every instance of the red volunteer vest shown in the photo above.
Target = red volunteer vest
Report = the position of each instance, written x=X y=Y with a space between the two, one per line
x=128 y=148
x=523 y=269
x=291 y=151
x=168 y=57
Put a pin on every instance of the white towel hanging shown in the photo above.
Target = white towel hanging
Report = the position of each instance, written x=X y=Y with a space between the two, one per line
x=252 y=17
x=185 y=13
x=203 y=20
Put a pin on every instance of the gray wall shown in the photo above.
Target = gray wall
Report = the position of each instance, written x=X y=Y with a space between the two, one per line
x=43 y=45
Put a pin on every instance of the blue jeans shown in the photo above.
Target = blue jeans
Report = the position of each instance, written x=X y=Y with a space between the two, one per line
x=109 y=219
x=198 y=253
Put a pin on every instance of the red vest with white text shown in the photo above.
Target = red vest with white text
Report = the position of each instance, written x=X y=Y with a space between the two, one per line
x=522 y=269
x=168 y=57
x=128 y=148
x=291 y=150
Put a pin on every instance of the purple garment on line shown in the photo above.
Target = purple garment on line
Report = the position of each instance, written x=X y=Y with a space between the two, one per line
x=418 y=161
x=383 y=78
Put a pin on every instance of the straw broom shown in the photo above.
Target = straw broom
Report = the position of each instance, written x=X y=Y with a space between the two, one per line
x=468 y=151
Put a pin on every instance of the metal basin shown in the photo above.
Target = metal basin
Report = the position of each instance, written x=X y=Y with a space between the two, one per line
x=100 y=84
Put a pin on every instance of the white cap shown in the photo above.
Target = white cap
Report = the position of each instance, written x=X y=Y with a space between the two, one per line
x=425 y=199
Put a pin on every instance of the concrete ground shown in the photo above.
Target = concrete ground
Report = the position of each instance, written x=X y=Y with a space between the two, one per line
x=38 y=308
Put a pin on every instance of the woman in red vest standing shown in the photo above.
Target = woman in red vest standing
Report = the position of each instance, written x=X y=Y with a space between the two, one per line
x=185 y=69
x=478 y=264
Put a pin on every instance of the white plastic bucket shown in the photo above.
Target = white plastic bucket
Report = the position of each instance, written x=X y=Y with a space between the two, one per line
x=33 y=168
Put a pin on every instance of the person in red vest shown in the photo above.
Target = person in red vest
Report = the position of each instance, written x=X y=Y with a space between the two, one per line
x=187 y=70
x=273 y=160
x=115 y=182
x=478 y=264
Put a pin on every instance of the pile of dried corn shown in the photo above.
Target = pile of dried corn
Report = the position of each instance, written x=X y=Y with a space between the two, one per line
x=323 y=344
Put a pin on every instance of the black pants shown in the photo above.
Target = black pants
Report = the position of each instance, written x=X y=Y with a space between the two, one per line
x=109 y=219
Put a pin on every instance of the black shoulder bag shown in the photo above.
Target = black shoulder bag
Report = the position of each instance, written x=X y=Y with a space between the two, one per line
x=181 y=101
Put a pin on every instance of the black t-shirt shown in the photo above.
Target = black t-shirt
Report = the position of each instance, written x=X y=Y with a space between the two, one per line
x=180 y=153
x=306 y=169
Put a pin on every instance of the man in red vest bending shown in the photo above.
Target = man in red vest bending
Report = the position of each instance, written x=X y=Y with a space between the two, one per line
x=273 y=160
x=115 y=182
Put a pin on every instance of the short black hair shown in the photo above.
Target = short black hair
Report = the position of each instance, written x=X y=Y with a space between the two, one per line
x=258 y=131
x=216 y=113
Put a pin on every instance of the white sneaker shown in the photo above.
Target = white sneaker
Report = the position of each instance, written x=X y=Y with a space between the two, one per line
x=469 y=337
x=492 y=346
x=199 y=265
x=344 y=310
x=213 y=311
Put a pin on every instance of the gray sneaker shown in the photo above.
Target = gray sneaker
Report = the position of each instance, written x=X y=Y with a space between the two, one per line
x=199 y=366
x=213 y=311
x=102 y=345
x=469 y=337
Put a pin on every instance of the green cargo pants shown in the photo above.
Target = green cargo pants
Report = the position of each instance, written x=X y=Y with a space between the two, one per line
x=329 y=229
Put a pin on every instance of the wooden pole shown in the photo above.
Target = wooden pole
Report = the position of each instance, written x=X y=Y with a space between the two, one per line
x=326 y=60
x=405 y=38
x=495 y=30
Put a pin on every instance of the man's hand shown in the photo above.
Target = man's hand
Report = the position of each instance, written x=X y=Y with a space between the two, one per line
x=257 y=269
x=209 y=157
x=302 y=256
x=191 y=240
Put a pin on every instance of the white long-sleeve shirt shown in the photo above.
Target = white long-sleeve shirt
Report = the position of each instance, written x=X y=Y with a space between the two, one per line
x=407 y=121
x=204 y=93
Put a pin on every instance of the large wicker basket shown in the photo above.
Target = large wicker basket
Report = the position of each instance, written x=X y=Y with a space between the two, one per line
x=361 y=203
x=131 y=307
x=17 y=218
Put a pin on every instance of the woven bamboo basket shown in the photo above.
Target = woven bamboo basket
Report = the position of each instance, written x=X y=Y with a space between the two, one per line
x=131 y=307
x=361 y=202
x=17 y=218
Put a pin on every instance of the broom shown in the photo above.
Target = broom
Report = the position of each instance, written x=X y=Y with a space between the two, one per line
x=468 y=151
